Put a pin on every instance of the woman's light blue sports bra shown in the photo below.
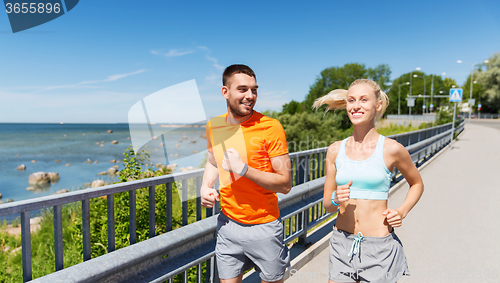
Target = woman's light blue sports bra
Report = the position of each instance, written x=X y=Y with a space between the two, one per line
x=370 y=178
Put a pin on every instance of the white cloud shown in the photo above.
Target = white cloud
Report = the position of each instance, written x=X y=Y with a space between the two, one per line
x=212 y=59
x=85 y=84
x=95 y=107
x=213 y=79
x=172 y=53
x=177 y=53
x=113 y=78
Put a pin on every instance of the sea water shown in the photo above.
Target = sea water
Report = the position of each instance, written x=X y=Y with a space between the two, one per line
x=73 y=144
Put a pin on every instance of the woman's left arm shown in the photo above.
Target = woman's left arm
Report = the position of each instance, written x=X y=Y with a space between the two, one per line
x=403 y=162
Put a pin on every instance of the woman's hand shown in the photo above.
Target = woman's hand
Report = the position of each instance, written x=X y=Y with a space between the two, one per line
x=343 y=192
x=231 y=162
x=393 y=217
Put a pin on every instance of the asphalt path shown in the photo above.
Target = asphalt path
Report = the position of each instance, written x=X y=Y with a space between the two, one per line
x=451 y=234
x=493 y=123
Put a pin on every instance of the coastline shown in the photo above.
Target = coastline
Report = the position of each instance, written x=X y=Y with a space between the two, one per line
x=78 y=152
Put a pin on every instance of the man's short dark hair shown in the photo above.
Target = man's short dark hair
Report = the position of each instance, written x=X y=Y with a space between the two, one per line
x=236 y=69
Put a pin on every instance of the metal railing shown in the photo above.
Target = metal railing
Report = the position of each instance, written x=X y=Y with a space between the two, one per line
x=424 y=118
x=162 y=257
x=480 y=115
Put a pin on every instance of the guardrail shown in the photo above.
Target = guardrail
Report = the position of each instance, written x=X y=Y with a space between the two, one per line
x=424 y=118
x=480 y=115
x=162 y=257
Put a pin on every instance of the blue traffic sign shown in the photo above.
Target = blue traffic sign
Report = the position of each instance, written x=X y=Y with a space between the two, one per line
x=456 y=94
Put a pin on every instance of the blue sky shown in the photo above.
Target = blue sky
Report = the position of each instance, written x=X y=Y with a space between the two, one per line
x=94 y=63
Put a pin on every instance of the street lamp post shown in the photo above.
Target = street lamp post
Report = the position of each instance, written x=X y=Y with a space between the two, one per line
x=423 y=111
x=399 y=97
x=479 y=108
x=471 y=81
x=425 y=106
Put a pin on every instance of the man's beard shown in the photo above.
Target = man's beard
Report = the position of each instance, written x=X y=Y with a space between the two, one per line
x=237 y=112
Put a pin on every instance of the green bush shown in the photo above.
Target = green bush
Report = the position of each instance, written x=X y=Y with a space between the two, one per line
x=42 y=241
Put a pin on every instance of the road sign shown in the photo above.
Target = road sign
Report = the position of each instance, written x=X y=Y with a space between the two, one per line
x=456 y=94
x=411 y=102
x=479 y=105
x=472 y=102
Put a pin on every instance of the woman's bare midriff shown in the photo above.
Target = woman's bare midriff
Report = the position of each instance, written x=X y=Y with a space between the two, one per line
x=365 y=216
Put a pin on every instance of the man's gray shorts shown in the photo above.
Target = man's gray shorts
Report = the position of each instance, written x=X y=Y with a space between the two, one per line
x=379 y=259
x=241 y=246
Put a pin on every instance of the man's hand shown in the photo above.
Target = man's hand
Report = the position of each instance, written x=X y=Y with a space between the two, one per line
x=393 y=217
x=343 y=193
x=208 y=197
x=232 y=161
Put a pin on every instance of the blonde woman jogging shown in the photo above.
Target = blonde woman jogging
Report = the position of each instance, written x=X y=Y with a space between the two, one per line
x=364 y=247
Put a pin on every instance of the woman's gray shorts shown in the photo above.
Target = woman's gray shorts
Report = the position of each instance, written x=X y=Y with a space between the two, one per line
x=241 y=246
x=377 y=259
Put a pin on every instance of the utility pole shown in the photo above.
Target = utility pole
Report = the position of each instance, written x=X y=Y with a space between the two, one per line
x=432 y=93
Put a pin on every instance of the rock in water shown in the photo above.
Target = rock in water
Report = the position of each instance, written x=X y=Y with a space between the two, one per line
x=54 y=177
x=109 y=131
x=0 y=195
x=111 y=171
x=38 y=178
x=98 y=183
x=21 y=167
x=61 y=191
x=114 y=142
x=103 y=173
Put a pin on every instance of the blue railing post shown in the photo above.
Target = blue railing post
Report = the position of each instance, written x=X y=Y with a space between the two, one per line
x=26 y=245
x=58 y=238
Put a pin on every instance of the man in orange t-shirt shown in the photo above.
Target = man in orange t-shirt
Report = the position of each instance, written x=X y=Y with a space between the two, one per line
x=249 y=156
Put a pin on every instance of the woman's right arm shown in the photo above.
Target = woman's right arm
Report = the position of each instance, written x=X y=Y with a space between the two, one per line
x=343 y=192
x=330 y=183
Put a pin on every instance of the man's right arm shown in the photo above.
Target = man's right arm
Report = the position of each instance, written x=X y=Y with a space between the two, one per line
x=210 y=176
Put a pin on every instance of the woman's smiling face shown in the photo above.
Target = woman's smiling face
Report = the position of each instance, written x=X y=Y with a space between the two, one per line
x=362 y=104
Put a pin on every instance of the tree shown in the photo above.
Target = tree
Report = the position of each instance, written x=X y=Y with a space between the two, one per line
x=313 y=130
x=341 y=77
x=490 y=80
x=450 y=83
x=477 y=93
x=292 y=107
x=417 y=87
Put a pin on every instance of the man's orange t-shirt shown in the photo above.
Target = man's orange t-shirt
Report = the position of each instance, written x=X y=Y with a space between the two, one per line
x=257 y=140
